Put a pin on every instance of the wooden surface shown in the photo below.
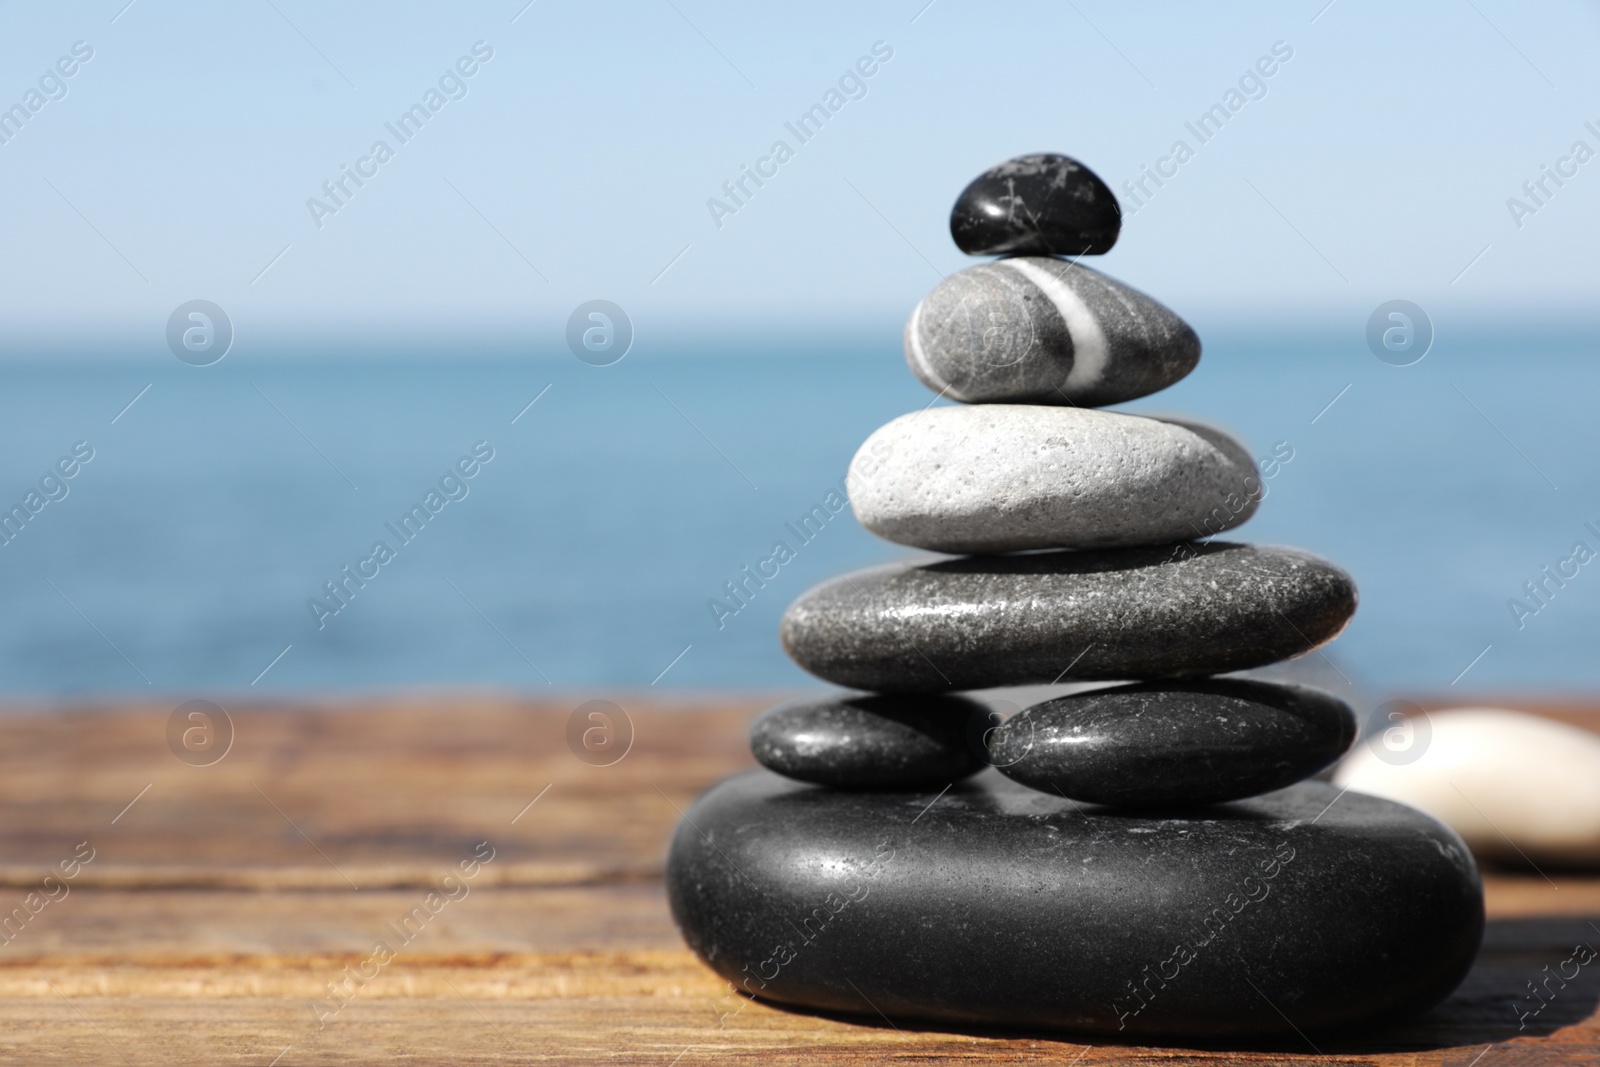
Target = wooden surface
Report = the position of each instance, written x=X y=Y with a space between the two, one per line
x=221 y=903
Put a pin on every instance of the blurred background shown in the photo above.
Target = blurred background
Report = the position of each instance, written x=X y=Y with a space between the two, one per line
x=364 y=334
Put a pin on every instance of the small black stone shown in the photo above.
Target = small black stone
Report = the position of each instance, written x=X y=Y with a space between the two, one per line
x=861 y=741
x=995 y=905
x=1040 y=205
x=1178 y=611
x=1175 y=744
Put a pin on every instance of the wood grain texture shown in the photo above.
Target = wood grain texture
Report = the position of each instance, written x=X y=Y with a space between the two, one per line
x=222 y=903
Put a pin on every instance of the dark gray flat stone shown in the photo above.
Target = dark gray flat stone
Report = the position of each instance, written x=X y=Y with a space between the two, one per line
x=1174 y=744
x=862 y=741
x=1128 y=614
x=1002 y=906
x=1044 y=204
x=1030 y=330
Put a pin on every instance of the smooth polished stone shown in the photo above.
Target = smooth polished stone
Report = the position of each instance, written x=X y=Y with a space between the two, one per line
x=1174 y=744
x=1517 y=787
x=1006 y=477
x=863 y=741
x=1045 y=331
x=996 y=905
x=1039 y=205
x=1115 y=615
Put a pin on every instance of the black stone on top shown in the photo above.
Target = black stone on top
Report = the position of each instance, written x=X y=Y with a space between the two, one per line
x=1174 y=745
x=1039 y=205
x=862 y=741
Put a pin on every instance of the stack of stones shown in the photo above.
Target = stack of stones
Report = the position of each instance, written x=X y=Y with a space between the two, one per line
x=1144 y=859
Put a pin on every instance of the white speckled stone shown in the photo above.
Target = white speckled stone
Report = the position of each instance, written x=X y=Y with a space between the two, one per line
x=1036 y=330
x=1008 y=477
x=1514 y=786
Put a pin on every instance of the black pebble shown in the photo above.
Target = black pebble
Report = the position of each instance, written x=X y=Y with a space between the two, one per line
x=1039 y=205
x=860 y=741
x=1175 y=744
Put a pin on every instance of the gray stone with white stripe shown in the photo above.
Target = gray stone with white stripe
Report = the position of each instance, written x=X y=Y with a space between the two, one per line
x=1036 y=330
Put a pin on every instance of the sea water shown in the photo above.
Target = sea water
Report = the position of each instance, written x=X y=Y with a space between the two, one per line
x=289 y=522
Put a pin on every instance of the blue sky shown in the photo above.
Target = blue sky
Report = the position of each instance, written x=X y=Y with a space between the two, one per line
x=580 y=160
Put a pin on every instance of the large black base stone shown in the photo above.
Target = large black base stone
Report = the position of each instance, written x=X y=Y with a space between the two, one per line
x=998 y=905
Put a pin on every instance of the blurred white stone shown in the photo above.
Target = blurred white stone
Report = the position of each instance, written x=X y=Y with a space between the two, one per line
x=1512 y=785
